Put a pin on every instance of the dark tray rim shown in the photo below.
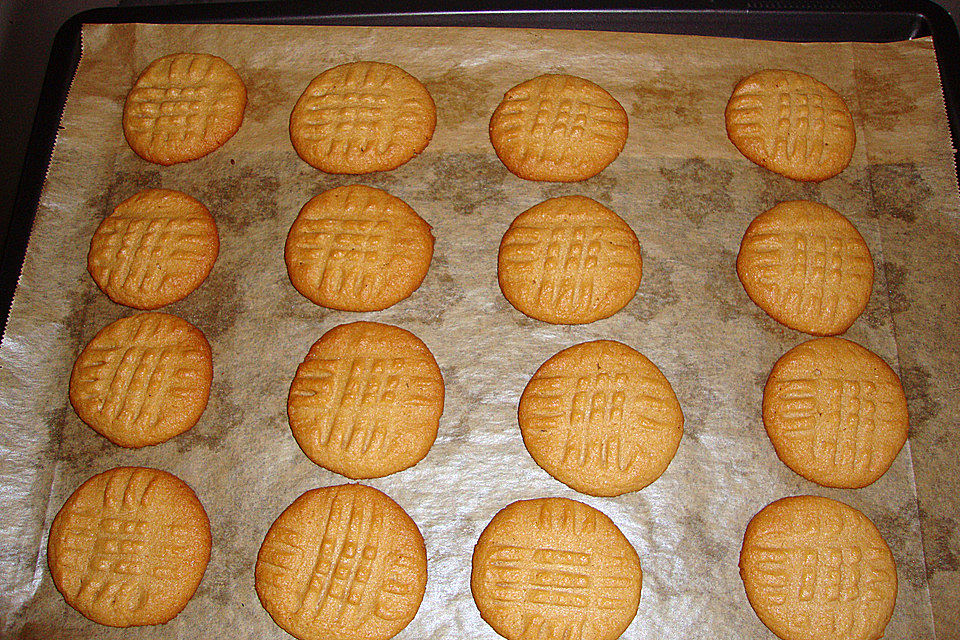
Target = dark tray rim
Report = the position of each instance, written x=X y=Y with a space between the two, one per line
x=797 y=20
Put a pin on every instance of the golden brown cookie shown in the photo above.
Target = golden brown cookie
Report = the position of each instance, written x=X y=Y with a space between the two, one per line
x=182 y=107
x=791 y=124
x=817 y=569
x=601 y=418
x=558 y=128
x=155 y=248
x=129 y=547
x=555 y=568
x=807 y=266
x=357 y=248
x=143 y=379
x=835 y=412
x=362 y=117
x=569 y=260
x=342 y=562
x=366 y=401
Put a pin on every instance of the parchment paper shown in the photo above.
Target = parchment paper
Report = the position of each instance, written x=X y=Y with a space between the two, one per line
x=685 y=190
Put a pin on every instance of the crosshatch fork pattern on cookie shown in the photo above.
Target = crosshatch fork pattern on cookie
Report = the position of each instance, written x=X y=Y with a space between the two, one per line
x=820 y=274
x=358 y=248
x=569 y=260
x=609 y=421
x=356 y=112
x=362 y=117
x=354 y=404
x=130 y=547
x=558 y=127
x=185 y=98
x=555 y=568
x=827 y=571
x=792 y=124
x=156 y=247
x=337 y=561
x=143 y=379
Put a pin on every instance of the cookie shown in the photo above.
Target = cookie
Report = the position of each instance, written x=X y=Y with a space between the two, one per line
x=791 y=124
x=143 y=379
x=357 y=248
x=569 y=260
x=555 y=568
x=342 y=562
x=601 y=418
x=129 y=547
x=182 y=107
x=558 y=128
x=362 y=117
x=366 y=401
x=155 y=248
x=817 y=569
x=835 y=412
x=807 y=266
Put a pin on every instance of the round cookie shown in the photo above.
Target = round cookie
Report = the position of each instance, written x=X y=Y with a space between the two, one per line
x=155 y=248
x=601 y=418
x=129 y=547
x=182 y=107
x=366 y=401
x=358 y=248
x=558 y=128
x=817 y=569
x=835 y=412
x=559 y=565
x=791 y=124
x=342 y=562
x=143 y=379
x=362 y=117
x=807 y=266
x=569 y=260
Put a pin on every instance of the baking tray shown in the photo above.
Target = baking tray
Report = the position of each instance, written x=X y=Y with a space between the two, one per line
x=785 y=24
x=810 y=21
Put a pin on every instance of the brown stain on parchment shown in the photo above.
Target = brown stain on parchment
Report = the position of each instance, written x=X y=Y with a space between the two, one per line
x=897 y=278
x=666 y=101
x=697 y=535
x=462 y=182
x=41 y=631
x=696 y=189
x=883 y=101
x=898 y=190
x=600 y=187
x=461 y=97
x=123 y=185
x=775 y=188
x=57 y=422
x=875 y=316
x=938 y=533
x=917 y=386
x=897 y=527
x=293 y=304
x=726 y=292
x=213 y=306
x=267 y=95
x=215 y=423
x=656 y=291
x=457 y=432
x=437 y=294
x=392 y=181
x=239 y=199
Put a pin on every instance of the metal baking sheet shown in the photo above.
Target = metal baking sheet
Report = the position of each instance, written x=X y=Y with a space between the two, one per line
x=901 y=210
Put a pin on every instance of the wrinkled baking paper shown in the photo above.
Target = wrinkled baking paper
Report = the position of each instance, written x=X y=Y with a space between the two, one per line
x=684 y=189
